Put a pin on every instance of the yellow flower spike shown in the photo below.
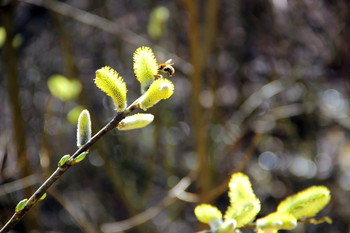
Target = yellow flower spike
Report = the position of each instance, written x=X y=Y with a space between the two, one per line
x=160 y=89
x=306 y=203
x=109 y=81
x=240 y=188
x=244 y=204
x=243 y=212
x=145 y=67
x=209 y=214
x=276 y=221
x=136 y=121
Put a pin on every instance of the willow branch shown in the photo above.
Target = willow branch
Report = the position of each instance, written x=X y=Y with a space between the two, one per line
x=17 y=216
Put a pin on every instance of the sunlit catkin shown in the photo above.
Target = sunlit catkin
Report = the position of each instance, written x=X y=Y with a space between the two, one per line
x=84 y=128
x=109 y=81
x=136 y=121
x=160 y=89
x=145 y=67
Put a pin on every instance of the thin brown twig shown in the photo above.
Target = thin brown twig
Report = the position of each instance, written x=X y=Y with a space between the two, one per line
x=221 y=188
x=17 y=216
x=19 y=184
x=256 y=99
x=174 y=194
x=76 y=213
x=256 y=139
x=246 y=109
x=106 y=25
x=295 y=110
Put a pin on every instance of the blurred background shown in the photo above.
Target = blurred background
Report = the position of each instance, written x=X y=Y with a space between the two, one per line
x=261 y=86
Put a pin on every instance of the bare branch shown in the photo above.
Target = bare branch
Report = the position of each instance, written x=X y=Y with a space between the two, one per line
x=17 y=216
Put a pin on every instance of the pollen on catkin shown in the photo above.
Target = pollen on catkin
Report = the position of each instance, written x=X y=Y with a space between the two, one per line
x=276 y=221
x=160 y=89
x=109 y=81
x=306 y=203
x=207 y=213
x=135 y=121
x=145 y=66
x=244 y=204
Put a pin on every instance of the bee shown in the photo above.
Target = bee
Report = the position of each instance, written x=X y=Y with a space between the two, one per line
x=167 y=68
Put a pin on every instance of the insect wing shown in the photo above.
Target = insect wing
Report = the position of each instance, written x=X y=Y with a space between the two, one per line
x=169 y=62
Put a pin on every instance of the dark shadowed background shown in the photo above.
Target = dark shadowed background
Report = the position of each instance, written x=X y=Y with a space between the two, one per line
x=261 y=86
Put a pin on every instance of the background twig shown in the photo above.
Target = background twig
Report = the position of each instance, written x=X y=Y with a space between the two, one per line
x=61 y=170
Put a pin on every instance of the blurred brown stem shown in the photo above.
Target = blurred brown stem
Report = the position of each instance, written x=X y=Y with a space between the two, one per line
x=10 y=59
x=7 y=13
x=66 y=43
x=200 y=45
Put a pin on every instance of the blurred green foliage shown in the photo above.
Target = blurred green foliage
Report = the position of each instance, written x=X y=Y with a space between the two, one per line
x=2 y=36
x=158 y=22
x=73 y=114
x=64 y=88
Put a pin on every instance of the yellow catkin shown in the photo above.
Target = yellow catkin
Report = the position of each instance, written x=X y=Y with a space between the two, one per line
x=109 y=81
x=306 y=203
x=206 y=213
x=145 y=66
x=136 y=121
x=244 y=204
x=276 y=221
x=160 y=89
